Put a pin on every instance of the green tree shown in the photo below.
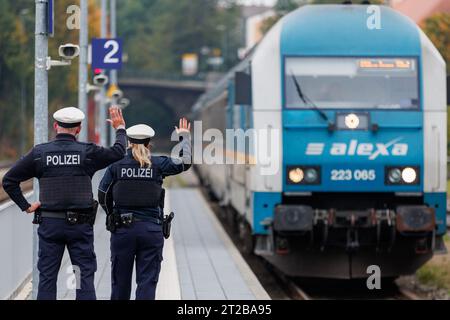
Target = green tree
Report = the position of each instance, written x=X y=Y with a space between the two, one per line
x=17 y=67
x=158 y=33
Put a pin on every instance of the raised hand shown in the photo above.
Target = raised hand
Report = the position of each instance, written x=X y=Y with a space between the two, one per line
x=184 y=126
x=116 y=117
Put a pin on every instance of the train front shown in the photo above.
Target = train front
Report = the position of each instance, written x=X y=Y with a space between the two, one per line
x=364 y=145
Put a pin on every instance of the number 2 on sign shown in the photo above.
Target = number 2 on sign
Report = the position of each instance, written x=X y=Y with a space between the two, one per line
x=109 y=58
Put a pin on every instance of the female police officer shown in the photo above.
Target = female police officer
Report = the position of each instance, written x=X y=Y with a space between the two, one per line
x=131 y=193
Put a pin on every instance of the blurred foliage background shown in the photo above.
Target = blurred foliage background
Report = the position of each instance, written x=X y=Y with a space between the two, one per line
x=17 y=70
x=158 y=32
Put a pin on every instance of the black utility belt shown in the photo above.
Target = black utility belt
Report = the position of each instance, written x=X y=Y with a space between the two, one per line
x=72 y=217
x=116 y=221
x=127 y=219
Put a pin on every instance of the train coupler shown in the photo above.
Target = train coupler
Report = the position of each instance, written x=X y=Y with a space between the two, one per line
x=385 y=219
x=352 y=240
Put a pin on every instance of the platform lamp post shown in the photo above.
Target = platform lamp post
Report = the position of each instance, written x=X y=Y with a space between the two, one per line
x=102 y=101
x=40 y=107
x=83 y=68
x=113 y=74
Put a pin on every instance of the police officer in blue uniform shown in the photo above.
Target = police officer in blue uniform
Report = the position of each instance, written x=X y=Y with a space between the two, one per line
x=66 y=211
x=131 y=194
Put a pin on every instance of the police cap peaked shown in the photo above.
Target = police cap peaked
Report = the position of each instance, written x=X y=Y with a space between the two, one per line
x=69 y=117
x=140 y=134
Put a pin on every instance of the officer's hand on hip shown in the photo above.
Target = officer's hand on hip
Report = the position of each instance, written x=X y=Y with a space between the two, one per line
x=116 y=116
x=33 y=207
x=184 y=126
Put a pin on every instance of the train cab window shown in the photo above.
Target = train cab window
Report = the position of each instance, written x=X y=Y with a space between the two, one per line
x=352 y=83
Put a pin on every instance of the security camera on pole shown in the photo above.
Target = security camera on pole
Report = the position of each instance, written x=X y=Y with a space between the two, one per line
x=67 y=52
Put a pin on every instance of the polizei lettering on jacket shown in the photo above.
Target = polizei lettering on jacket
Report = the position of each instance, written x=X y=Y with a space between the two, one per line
x=136 y=173
x=63 y=160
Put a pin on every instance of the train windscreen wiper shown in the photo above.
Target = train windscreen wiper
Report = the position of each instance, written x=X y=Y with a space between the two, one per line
x=308 y=101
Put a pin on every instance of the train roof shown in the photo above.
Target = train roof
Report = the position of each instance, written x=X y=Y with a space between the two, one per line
x=347 y=30
x=336 y=30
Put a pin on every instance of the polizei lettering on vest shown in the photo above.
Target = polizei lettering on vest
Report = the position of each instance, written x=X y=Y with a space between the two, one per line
x=136 y=173
x=64 y=160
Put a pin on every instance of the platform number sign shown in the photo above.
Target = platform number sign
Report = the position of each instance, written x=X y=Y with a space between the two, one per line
x=107 y=54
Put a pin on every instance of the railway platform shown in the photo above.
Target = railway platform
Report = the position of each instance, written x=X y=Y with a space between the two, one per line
x=200 y=261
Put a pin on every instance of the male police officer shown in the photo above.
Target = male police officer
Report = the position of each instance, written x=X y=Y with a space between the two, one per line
x=66 y=211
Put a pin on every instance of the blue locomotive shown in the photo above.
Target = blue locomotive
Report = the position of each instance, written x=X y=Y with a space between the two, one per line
x=359 y=115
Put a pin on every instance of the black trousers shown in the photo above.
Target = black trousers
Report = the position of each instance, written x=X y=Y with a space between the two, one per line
x=143 y=242
x=54 y=236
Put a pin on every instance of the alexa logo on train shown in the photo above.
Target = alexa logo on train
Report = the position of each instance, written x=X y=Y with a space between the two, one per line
x=360 y=149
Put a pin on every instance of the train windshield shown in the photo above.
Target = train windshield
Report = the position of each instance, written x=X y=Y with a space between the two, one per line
x=351 y=83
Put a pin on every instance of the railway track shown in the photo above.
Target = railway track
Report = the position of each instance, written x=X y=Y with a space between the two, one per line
x=281 y=287
x=315 y=289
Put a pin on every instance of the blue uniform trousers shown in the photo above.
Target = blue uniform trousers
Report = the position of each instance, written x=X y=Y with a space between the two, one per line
x=54 y=236
x=142 y=241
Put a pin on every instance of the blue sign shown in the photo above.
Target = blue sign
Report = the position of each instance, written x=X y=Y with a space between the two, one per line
x=107 y=54
x=51 y=18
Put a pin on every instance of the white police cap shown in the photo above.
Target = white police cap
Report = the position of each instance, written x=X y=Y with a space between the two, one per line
x=69 y=117
x=140 y=134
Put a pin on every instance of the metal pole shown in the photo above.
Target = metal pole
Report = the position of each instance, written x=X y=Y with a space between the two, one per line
x=23 y=94
x=40 y=107
x=83 y=69
x=113 y=35
x=113 y=72
x=102 y=104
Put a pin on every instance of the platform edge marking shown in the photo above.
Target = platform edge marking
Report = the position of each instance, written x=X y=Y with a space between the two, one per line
x=169 y=269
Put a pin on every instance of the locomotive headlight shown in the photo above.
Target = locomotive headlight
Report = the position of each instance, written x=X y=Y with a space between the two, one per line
x=409 y=175
x=395 y=176
x=303 y=175
x=296 y=175
x=311 y=175
x=352 y=121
